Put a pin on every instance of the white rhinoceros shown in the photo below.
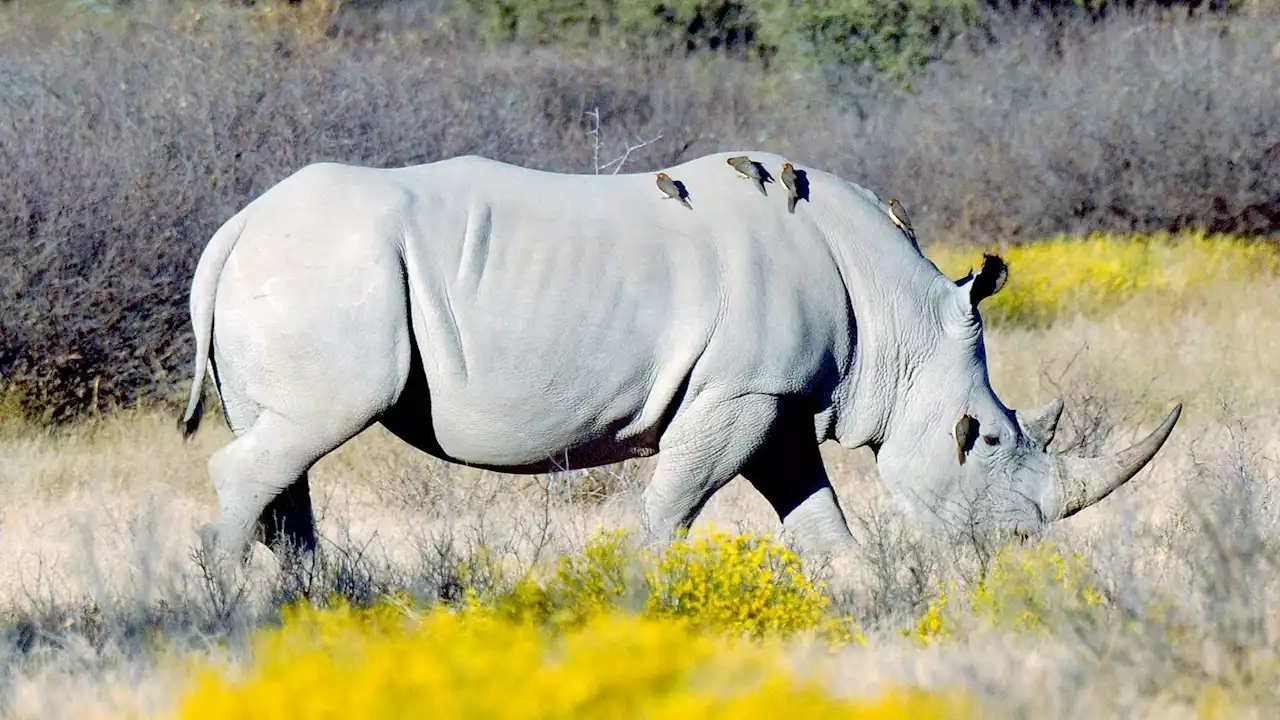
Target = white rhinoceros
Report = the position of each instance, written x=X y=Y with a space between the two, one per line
x=527 y=321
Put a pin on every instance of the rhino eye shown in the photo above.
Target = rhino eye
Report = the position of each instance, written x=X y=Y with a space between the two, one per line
x=991 y=439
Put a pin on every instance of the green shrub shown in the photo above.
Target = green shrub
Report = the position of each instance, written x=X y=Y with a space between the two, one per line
x=897 y=37
x=894 y=37
x=640 y=26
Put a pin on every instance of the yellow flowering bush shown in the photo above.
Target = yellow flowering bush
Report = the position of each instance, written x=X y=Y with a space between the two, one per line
x=742 y=584
x=1093 y=274
x=581 y=586
x=1024 y=587
x=1024 y=590
x=695 y=628
x=380 y=663
x=935 y=622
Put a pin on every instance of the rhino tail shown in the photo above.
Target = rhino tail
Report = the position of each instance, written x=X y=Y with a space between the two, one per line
x=190 y=422
x=204 y=287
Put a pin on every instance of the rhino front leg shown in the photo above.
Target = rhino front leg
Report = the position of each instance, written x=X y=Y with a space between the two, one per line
x=788 y=471
x=705 y=446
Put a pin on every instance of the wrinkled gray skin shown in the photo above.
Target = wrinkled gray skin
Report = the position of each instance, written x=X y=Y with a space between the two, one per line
x=527 y=321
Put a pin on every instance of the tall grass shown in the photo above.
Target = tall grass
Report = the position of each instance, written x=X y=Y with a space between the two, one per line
x=1153 y=603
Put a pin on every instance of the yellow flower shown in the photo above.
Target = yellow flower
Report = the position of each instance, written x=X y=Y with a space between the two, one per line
x=1092 y=275
x=371 y=664
x=1025 y=589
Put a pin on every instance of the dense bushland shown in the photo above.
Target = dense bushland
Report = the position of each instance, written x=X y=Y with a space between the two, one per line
x=895 y=38
x=128 y=135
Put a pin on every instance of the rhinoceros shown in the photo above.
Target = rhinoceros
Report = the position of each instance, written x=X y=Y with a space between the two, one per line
x=525 y=321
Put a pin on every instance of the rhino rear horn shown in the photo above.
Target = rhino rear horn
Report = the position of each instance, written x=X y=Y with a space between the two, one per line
x=1040 y=425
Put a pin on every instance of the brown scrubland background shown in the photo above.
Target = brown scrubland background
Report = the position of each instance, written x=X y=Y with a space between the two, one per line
x=130 y=130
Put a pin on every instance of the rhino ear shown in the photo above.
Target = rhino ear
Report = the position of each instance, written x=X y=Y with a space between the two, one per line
x=1040 y=425
x=989 y=280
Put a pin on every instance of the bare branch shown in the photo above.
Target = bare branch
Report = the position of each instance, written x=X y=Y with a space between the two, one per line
x=595 y=133
x=597 y=142
x=630 y=149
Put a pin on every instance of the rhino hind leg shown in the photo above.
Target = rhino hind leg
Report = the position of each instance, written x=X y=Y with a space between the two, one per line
x=705 y=446
x=261 y=479
x=288 y=520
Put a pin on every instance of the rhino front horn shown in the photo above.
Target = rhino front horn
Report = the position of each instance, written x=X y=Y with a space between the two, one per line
x=1081 y=482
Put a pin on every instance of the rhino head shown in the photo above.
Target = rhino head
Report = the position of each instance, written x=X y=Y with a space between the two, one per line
x=952 y=453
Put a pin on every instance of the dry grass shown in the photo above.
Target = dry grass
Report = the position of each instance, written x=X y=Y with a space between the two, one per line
x=172 y=126
x=102 y=514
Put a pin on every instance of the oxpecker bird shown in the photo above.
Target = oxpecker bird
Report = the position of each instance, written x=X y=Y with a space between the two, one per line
x=898 y=214
x=748 y=169
x=963 y=433
x=671 y=190
x=789 y=182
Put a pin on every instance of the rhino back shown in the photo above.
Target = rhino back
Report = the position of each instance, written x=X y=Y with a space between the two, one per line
x=568 y=306
x=553 y=312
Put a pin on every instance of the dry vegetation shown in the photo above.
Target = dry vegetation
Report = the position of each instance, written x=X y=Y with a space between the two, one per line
x=126 y=140
x=98 y=528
